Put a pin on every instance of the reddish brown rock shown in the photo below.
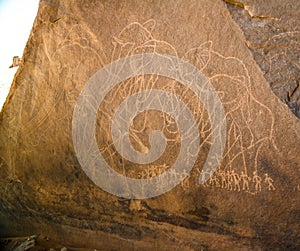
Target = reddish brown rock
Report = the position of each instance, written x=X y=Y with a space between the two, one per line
x=252 y=200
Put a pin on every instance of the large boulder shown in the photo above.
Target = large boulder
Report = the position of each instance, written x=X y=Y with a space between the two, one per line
x=247 y=199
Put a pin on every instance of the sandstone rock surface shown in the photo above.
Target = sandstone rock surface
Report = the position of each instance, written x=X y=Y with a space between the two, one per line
x=252 y=200
x=272 y=35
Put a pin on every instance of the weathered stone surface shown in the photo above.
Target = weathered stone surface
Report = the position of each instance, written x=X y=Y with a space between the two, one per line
x=44 y=188
x=273 y=36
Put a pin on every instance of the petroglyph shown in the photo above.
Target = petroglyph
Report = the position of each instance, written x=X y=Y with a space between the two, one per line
x=269 y=181
x=242 y=141
x=257 y=180
x=245 y=181
x=232 y=181
x=69 y=44
x=242 y=144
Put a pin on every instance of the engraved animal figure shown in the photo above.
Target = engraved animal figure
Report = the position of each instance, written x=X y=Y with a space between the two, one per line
x=137 y=38
x=230 y=78
x=77 y=40
x=244 y=112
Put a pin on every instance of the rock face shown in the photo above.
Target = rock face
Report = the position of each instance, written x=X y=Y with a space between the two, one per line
x=250 y=201
x=273 y=37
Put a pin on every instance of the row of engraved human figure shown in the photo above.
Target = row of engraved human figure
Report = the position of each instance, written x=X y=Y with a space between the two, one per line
x=234 y=181
x=229 y=179
x=156 y=170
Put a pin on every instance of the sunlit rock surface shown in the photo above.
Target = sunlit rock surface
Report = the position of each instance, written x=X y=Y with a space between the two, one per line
x=250 y=202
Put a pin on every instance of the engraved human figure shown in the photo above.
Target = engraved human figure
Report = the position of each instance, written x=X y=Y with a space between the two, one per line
x=185 y=184
x=229 y=180
x=147 y=174
x=144 y=175
x=173 y=175
x=204 y=175
x=213 y=181
x=257 y=180
x=161 y=169
x=153 y=170
x=222 y=176
x=198 y=172
x=269 y=181
x=245 y=179
x=236 y=181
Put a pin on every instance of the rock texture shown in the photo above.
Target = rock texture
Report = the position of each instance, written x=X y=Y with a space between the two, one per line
x=250 y=203
x=273 y=36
